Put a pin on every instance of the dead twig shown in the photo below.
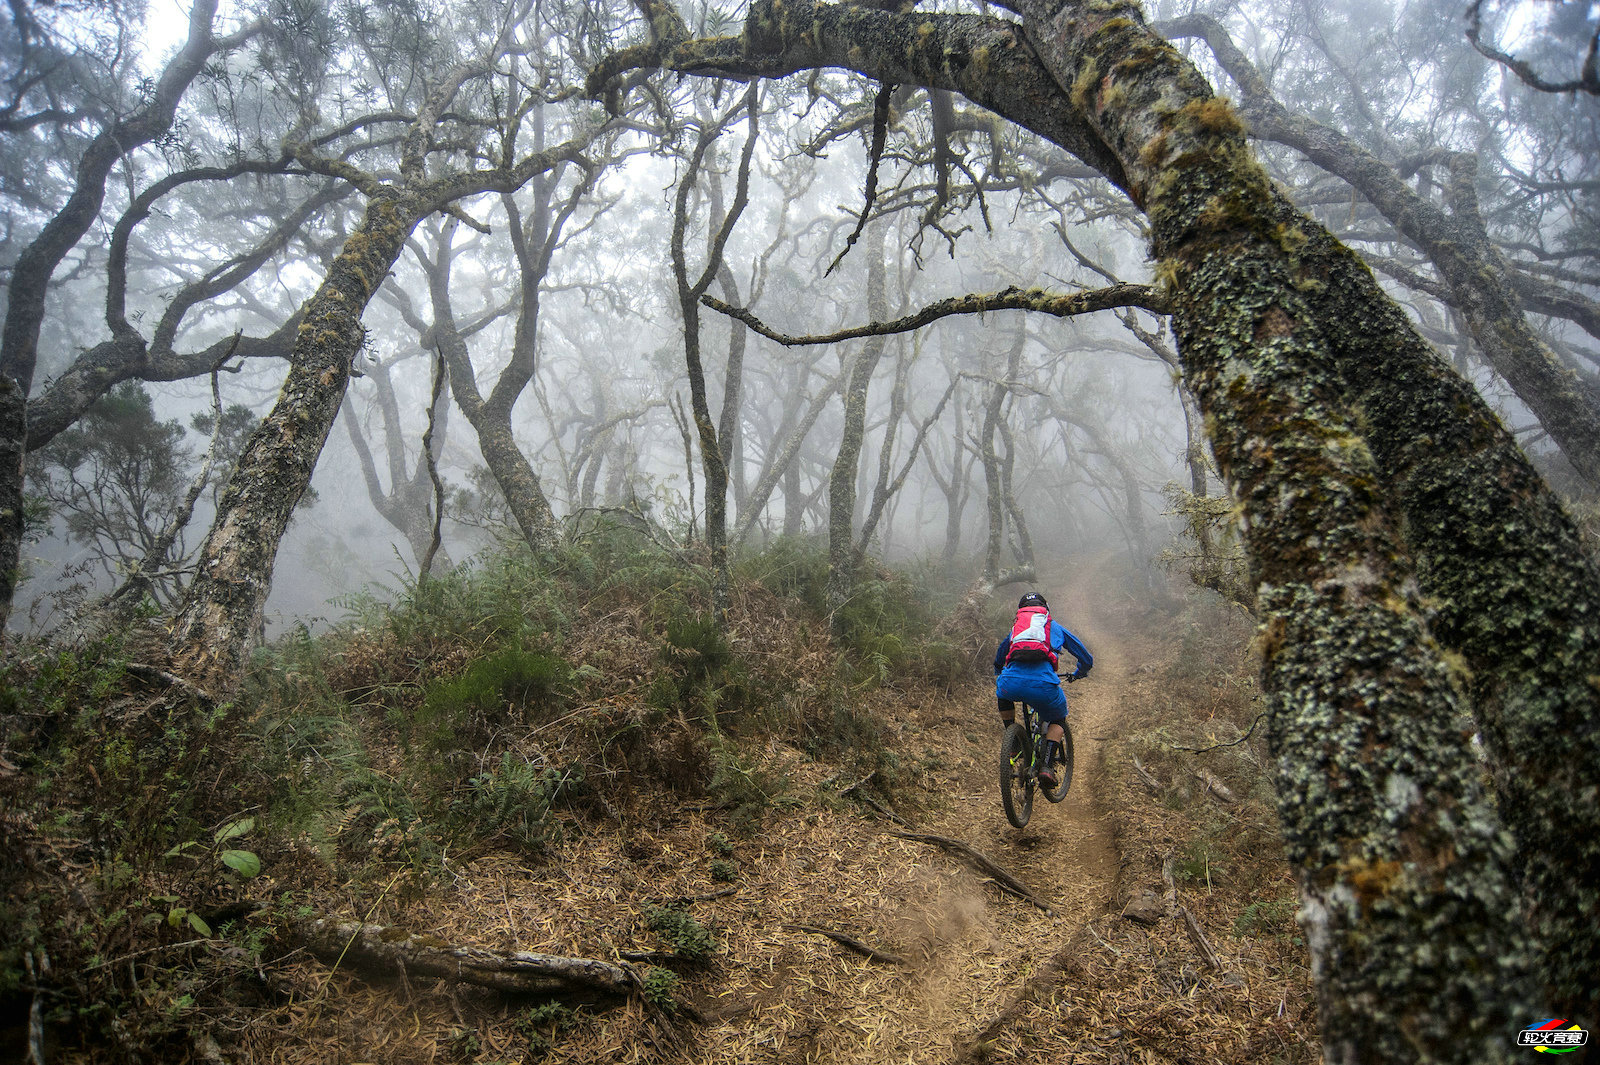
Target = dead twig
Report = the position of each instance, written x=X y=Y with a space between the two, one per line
x=1218 y=746
x=1199 y=939
x=1215 y=785
x=1003 y=879
x=870 y=953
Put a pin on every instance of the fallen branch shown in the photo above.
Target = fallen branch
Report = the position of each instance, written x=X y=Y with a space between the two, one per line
x=870 y=953
x=1199 y=939
x=1172 y=885
x=1005 y=880
x=171 y=680
x=1215 y=785
x=382 y=949
x=1144 y=774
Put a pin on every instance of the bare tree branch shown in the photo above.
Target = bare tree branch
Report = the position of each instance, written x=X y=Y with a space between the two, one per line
x=1008 y=299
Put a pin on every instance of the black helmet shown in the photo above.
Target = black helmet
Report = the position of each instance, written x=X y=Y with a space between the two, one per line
x=1032 y=599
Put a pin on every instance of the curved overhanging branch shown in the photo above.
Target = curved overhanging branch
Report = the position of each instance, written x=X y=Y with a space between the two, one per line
x=1588 y=79
x=1008 y=299
x=988 y=60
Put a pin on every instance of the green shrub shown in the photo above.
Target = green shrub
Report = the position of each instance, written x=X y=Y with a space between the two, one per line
x=514 y=801
x=791 y=567
x=687 y=937
x=744 y=789
x=724 y=871
x=540 y=1025
x=659 y=987
x=492 y=691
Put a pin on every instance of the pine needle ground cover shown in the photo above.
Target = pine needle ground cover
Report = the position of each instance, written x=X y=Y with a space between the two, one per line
x=562 y=755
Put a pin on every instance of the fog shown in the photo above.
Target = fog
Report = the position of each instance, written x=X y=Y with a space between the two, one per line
x=1080 y=418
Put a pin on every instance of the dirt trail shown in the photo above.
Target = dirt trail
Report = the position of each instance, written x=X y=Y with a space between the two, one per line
x=971 y=947
x=775 y=994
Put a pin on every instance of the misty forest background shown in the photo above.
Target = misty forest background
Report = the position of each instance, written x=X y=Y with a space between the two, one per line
x=430 y=429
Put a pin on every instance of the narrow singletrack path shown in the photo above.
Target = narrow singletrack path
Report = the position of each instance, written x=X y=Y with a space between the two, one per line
x=774 y=993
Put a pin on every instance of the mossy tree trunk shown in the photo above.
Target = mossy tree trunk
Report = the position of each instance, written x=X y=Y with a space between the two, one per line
x=1418 y=933
x=233 y=572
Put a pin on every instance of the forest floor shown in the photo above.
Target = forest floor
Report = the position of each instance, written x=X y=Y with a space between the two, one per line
x=983 y=975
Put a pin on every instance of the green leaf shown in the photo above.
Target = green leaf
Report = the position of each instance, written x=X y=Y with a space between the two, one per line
x=245 y=863
x=180 y=848
x=235 y=829
x=199 y=925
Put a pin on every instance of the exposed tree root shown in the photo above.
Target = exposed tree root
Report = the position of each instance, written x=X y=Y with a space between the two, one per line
x=1062 y=961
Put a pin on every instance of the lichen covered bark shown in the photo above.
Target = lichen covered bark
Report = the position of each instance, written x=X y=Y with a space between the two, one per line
x=1481 y=285
x=1510 y=589
x=234 y=570
x=1417 y=927
x=1412 y=915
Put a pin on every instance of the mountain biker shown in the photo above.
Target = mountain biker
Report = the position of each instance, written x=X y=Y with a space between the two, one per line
x=1035 y=682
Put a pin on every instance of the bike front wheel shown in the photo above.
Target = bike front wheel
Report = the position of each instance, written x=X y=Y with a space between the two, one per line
x=1063 y=769
x=1016 y=775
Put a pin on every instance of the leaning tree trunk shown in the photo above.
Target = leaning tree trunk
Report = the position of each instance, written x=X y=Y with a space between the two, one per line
x=847 y=463
x=234 y=571
x=1411 y=913
x=1481 y=285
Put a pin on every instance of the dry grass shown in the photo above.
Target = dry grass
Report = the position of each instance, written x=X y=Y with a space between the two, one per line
x=1084 y=985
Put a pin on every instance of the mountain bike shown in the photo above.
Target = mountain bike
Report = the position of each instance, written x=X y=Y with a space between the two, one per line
x=1022 y=754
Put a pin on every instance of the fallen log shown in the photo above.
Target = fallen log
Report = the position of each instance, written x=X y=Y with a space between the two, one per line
x=851 y=943
x=383 y=949
x=1003 y=879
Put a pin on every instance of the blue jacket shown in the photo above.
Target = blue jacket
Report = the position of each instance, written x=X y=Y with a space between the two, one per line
x=1041 y=671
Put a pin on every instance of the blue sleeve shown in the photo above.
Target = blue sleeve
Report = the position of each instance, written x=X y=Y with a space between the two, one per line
x=1001 y=652
x=1073 y=646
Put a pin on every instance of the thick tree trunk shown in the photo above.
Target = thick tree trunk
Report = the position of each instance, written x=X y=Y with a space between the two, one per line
x=847 y=462
x=1513 y=592
x=234 y=571
x=1412 y=915
x=1384 y=819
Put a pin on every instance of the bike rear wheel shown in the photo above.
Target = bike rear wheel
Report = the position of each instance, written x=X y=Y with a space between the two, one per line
x=1016 y=774
x=1063 y=768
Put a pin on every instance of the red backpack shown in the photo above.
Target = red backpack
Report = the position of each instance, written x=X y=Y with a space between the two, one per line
x=1030 y=636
